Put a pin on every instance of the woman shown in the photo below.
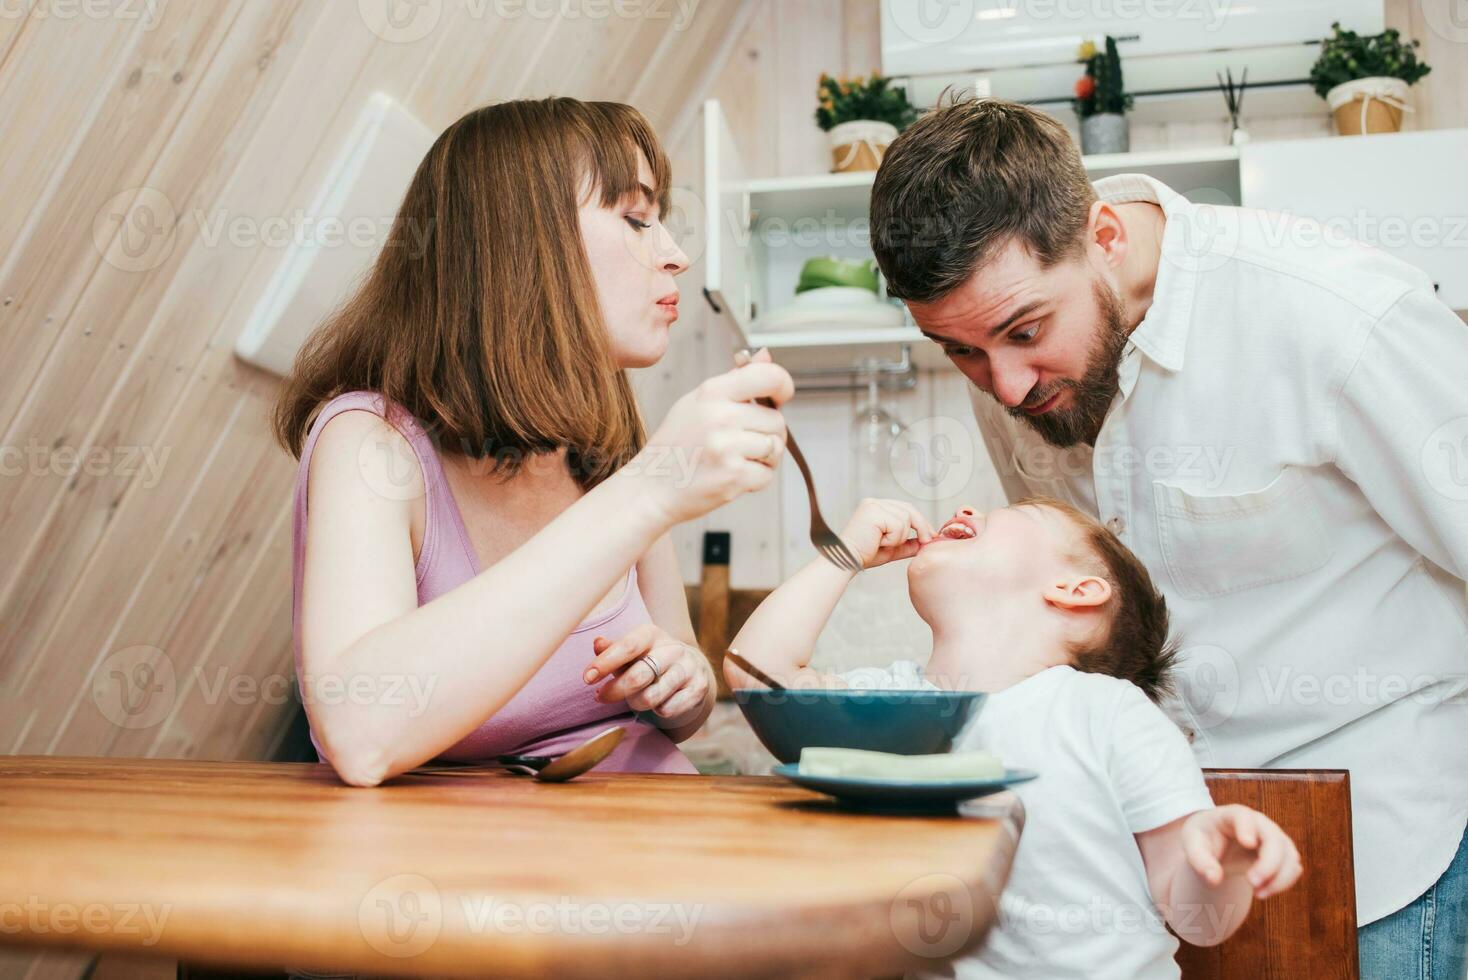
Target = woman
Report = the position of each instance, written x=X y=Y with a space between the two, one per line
x=487 y=536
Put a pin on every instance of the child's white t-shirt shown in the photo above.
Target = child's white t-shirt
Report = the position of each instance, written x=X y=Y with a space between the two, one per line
x=1111 y=765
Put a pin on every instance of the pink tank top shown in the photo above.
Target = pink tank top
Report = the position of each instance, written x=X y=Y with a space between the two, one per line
x=555 y=710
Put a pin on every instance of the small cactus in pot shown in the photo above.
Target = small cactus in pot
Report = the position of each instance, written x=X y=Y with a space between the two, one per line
x=1101 y=100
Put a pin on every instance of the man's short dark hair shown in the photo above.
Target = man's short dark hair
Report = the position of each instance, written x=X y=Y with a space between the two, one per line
x=964 y=179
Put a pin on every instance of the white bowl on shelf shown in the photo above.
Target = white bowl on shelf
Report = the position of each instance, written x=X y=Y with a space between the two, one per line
x=842 y=296
x=837 y=307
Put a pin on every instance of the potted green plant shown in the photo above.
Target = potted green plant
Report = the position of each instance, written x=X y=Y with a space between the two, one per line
x=1374 y=70
x=1101 y=100
x=862 y=117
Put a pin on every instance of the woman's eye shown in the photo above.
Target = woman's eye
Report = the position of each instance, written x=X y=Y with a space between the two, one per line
x=959 y=351
x=635 y=222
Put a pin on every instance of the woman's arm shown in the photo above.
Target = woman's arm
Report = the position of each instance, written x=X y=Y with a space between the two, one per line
x=389 y=684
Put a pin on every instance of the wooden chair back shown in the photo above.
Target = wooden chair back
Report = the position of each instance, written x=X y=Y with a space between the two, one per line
x=1310 y=930
x=717 y=610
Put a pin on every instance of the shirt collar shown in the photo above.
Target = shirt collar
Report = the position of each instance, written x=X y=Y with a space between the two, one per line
x=1163 y=333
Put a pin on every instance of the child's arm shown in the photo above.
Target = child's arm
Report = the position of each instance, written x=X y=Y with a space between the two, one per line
x=1204 y=869
x=780 y=635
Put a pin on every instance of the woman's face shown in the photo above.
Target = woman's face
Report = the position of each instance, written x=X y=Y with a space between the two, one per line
x=633 y=261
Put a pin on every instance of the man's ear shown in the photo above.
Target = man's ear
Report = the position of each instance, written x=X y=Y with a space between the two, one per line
x=1078 y=593
x=1107 y=233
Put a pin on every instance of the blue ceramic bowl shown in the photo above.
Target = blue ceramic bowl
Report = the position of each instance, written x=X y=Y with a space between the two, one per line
x=904 y=722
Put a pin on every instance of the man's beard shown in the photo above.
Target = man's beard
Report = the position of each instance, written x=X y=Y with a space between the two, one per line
x=1094 y=392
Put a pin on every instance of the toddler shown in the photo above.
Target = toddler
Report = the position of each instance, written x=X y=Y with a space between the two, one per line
x=1046 y=610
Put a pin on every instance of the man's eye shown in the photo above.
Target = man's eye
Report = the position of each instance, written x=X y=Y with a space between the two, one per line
x=1024 y=336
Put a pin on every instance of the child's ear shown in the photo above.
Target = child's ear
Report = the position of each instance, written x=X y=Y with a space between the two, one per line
x=1079 y=592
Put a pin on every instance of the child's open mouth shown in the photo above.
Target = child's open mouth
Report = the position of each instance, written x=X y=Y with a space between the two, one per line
x=958 y=531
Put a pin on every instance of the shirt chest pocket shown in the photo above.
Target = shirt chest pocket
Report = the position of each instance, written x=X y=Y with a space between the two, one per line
x=1214 y=545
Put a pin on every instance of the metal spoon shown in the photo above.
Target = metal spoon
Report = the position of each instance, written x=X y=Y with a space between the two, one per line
x=546 y=768
x=568 y=765
x=753 y=671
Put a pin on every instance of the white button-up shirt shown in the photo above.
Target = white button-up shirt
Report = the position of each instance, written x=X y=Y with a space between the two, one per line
x=1288 y=455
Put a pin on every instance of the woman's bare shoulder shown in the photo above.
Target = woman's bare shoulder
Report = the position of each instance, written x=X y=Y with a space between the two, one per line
x=360 y=456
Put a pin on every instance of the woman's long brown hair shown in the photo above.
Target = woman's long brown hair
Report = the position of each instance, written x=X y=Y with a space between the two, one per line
x=480 y=316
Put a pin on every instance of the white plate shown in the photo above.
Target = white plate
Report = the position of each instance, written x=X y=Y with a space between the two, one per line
x=795 y=317
x=842 y=296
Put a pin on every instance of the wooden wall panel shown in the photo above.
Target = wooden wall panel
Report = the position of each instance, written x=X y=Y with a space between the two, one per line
x=219 y=112
x=118 y=356
x=131 y=348
x=48 y=134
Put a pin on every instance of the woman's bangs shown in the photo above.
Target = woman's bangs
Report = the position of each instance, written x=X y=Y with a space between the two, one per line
x=612 y=153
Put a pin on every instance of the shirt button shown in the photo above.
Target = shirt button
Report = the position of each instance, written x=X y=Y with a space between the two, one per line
x=1116 y=526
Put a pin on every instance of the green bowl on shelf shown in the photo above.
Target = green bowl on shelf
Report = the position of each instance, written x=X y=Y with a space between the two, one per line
x=831 y=271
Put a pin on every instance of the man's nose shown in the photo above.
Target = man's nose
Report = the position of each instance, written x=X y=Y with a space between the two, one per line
x=1011 y=385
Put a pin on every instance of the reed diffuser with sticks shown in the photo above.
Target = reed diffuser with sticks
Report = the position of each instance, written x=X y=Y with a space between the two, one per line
x=1233 y=97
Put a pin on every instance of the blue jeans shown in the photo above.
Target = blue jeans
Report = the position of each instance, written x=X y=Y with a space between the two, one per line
x=1427 y=940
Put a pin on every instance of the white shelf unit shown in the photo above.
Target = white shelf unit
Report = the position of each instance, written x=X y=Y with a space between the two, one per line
x=767 y=228
x=761 y=232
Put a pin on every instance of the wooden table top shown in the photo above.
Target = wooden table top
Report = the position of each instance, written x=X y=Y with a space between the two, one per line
x=478 y=873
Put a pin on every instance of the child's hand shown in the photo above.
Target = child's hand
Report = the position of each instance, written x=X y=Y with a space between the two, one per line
x=1233 y=840
x=878 y=531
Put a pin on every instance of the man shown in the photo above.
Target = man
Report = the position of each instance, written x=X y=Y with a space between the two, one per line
x=1276 y=423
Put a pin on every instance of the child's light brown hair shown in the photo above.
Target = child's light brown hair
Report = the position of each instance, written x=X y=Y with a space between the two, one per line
x=1135 y=645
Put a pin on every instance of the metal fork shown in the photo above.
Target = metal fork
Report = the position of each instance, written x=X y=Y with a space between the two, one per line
x=832 y=548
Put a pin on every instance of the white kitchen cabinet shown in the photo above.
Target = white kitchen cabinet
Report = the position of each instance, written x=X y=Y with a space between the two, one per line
x=1404 y=193
x=727 y=260
x=761 y=231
